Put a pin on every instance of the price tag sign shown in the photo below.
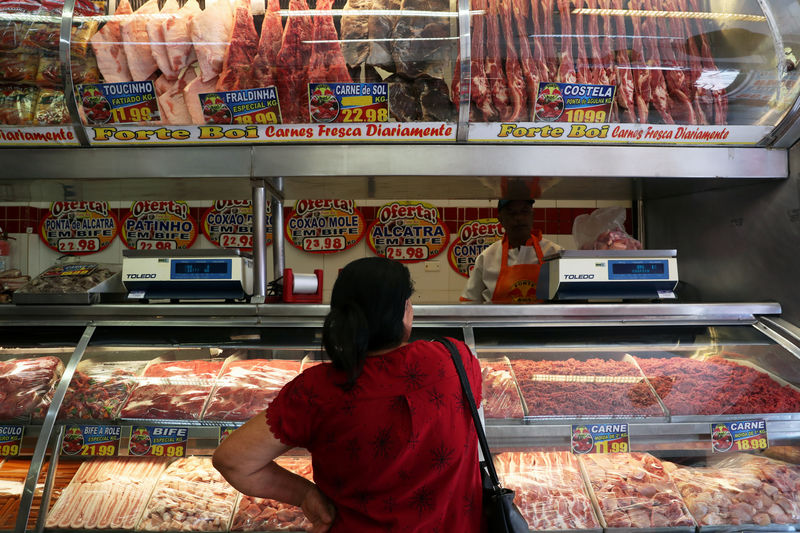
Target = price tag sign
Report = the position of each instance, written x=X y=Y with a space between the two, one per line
x=741 y=436
x=158 y=441
x=408 y=232
x=117 y=103
x=348 y=102
x=573 y=102
x=11 y=440
x=249 y=106
x=229 y=224
x=224 y=432
x=158 y=225
x=78 y=228
x=91 y=441
x=473 y=238
x=325 y=226
x=600 y=438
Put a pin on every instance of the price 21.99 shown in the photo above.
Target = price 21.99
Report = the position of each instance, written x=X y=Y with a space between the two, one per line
x=78 y=245
x=101 y=450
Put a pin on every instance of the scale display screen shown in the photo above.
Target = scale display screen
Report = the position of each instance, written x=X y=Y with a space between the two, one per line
x=638 y=269
x=201 y=269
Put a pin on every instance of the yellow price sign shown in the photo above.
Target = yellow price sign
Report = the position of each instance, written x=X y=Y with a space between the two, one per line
x=100 y=450
x=168 y=450
x=742 y=436
x=11 y=440
x=8 y=450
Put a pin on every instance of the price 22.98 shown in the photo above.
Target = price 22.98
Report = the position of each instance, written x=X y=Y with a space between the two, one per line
x=78 y=245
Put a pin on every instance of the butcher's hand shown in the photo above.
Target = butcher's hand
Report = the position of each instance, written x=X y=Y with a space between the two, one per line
x=319 y=510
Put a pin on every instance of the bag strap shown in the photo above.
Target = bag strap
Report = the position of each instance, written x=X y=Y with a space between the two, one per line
x=476 y=419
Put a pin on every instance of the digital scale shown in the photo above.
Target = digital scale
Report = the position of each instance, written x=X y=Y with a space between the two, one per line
x=218 y=274
x=609 y=275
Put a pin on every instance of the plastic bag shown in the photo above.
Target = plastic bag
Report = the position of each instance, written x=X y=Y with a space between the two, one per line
x=603 y=229
x=25 y=383
x=545 y=484
x=500 y=396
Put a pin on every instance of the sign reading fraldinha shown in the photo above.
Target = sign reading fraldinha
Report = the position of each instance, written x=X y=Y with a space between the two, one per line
x=129 y=135
x=588 y=133
x=159 y=225
x=473 y=238
x=325 y=226
x=408 y=232
x=229 y=224
x=78 y=228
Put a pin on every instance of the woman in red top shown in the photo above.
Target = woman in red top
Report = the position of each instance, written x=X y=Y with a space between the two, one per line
x=392 y=442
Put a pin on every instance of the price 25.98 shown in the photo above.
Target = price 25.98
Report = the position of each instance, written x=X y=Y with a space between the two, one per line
x=407 y=253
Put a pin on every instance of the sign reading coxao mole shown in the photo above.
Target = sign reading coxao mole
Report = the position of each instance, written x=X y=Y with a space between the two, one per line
x=325 y=226
x=229 y=224
x=473 y=238
x=408 y=232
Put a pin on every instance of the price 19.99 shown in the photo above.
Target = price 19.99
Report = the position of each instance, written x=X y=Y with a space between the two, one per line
x=323 y=244
x=407 y=253
x=79 y=245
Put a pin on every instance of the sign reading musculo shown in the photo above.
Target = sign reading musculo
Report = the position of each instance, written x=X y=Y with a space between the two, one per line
x=325 y=226
x=78 y=228
x=408 y=232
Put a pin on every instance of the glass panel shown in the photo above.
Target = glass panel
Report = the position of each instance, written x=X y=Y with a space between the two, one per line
x=686 y=62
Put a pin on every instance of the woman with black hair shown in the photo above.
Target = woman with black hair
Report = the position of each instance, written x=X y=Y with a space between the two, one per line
x=392 y=442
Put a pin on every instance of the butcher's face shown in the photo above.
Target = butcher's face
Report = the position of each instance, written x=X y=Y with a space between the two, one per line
x=517 y=219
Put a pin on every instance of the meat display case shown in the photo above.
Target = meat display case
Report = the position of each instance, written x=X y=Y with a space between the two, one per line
x=596 y=346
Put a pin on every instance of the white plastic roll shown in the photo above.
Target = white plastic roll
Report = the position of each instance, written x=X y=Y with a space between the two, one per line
x=304 y=284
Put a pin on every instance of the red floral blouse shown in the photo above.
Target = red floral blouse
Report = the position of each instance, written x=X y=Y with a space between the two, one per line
x=397 y=452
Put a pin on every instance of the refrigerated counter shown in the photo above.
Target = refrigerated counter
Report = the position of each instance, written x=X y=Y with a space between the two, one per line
x=668 y=372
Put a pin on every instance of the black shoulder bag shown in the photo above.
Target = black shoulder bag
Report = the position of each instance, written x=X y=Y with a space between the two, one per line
x=501 y=514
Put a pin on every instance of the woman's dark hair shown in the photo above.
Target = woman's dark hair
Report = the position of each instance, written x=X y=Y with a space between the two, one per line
x=367 y=307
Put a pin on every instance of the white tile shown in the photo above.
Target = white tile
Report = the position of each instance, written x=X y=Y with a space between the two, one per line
x=614 y=203
x=576 y=203
x=544 y=203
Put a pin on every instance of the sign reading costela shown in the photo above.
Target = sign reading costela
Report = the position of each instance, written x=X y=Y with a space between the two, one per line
x=159 y=225
x=229 y=224
x=78 y=228
x=473 y=238
x=325 y=226
x=408 y=232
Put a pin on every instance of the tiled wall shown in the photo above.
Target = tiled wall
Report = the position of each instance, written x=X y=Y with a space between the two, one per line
x=435 y=281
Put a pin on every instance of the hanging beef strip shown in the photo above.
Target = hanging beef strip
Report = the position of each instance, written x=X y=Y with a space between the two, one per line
x=539 y=55
x=582 y=71
x=601 y=59
x=293 y=60
x=641 y=74
x=420 y=41
x=658 y=86
x=681 y=106
x=264 y=72
x=625 y=97
x=566 y=68
x=481 y=93
x=530 y=69
x=242 y=51
x=327 y=61
x=549 y=32
x=703 y=102
x=381 y=28
x=355 y=32
x=719 y=96
x=516 y=83
x=494 y=58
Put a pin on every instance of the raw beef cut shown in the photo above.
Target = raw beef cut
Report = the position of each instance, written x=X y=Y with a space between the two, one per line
x=263 y=514
x=25 y=383
x=740 y=490
x=292 y=61
x=190 y=496
x=593 y=387
x=211 y=34
x=241 y=52
x=516 y=83
x=355 y=32
x=530 y=68
x=107 y=46
x=642 y=83
x=582 y=71
x=420 y=41
x=566 y=68
x=634 y=490
x=403 y=99
x=500 y=396
x=158 y=43
x=381 y=28
x=433 y=100
x=162 y=85
x=106 y=494
x=269 y=45
x=172 y=104
x=549 y=489
x=549 y=32
x=12 y=480
x=480 y=92
x=175 y=390
x=191 y=97
x=716 y=386
x=177 y=35
x=626 y=88
x=681 y=105
x=136 y=42
x=245 y=388
x=327 y=61
x=658 y=86
x=494 y=62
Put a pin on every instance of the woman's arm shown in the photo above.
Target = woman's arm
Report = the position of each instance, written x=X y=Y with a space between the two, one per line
x=246 y=460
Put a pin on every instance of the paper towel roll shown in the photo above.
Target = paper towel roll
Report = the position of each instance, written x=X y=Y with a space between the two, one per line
x=304 y=284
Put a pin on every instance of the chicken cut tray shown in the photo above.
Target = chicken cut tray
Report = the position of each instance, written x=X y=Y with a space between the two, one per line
x=607 y=387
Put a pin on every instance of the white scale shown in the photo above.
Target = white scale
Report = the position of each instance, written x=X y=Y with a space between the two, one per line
x=609 y=275
x=218 y=274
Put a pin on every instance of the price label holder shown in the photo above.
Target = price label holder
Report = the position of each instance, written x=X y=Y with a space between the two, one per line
x=117 y=103
x=348 y=102
x=248 y=106
x=600 y=438
x=158 y=441
x=11 y=440
x=739 y=436
x=224 y=433
x=91 y=440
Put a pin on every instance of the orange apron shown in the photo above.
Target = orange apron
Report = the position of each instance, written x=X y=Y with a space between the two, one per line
x=517 y=284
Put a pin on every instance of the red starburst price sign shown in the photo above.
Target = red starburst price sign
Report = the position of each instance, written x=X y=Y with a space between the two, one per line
x=408 y=232
x=229 y=224
x=78 y=228
x=600 y=438
x=325 y=226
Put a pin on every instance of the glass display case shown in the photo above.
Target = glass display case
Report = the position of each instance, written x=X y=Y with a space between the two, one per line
x=141 y=403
